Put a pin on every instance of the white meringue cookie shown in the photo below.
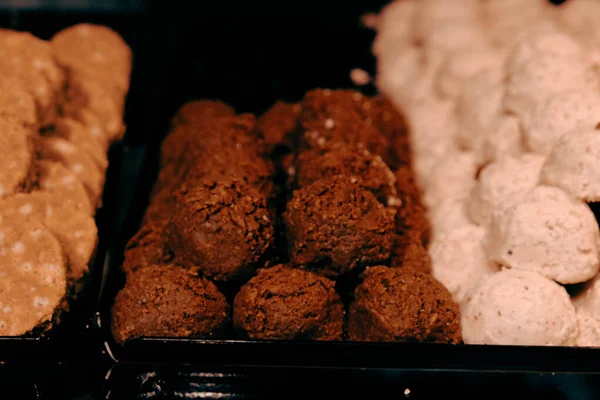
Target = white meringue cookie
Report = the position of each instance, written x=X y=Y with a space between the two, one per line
x=431 y=14
x=498 y=181
x=556 y=43
x=447 y=215
x=543 y=76
x=559 y=114
x=574 y=165
x=588 y=299
x=502 y=139
x=589 y=330
x=477 y=107
x=460 y=67
x=394 y=27
x=516 y=307
x=452 y=177
x=458 y=260
x=452 y=37
x=580 y=18
x=548 y=232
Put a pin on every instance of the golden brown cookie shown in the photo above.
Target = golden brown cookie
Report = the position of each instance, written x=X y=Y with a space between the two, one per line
x=32 y=272
x=16 y=102
x=75 y=132
x=85 y=93
x=76 y=161
x=54 y=178
x=94 y=50
x=16 y=155
x=74 y=228
x=30 y=60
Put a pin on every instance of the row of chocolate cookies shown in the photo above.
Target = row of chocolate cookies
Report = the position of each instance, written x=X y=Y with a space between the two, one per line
x=348 y=212
x=210 y=219
x=52 y=169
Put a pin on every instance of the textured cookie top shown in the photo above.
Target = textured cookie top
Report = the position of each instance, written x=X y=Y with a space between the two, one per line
x=560 y=114
x=33 y=272
x=516 y=307
x=56 y=179
x=498 y=181
x=547 y=231
x=74 y=228
x=574 y=164
x=16 y=158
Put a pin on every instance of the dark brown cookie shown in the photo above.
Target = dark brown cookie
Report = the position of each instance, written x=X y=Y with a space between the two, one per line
x=402 y=305
x=199 y=111
x=221 y=228
x=334 y=226
x=349 y=160
x=289 y=304
x=147 y=247
x=278 y=125
x=168 y=301
x=330 y=116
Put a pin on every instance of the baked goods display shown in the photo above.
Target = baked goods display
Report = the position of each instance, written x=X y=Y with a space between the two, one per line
x=502 y=99
x=61 y=105
x=306 y=219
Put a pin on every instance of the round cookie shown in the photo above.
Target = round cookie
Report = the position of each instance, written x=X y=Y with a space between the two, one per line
x=516 y=307
x=168 y=301
x=75 y=132
x=85 y=93
x=223 y=229
x=330 y=116
x=95 y=50
x=289 y=304
x=402 y=305
x=30 y=60
x=74 y=228
x=334 y=226
x=16 y=159
x=349 y=160
x=78 y=162
x=277 y=126
x=199 y=111
x=147 y=247
x=33 y=272
x=56 y=179
x=16 y=102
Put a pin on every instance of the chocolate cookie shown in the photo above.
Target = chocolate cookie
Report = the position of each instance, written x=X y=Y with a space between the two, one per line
x=33 y=274
x=357 y=164
x=199 y=111
x=16 y=158
x=168 y=301
x=402 y=305
x=147 y=247
x=334 y=226
x=289 y=304
x=338 y=116
x=221 y=228
x=277 y=126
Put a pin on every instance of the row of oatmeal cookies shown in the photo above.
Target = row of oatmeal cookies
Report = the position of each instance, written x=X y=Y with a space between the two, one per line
x=215 y=214
x=503 y=99
x=61 y=105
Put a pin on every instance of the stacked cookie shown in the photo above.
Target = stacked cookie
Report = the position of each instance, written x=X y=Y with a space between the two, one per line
x=55 y=156
x=503 y=100
x=346 y=201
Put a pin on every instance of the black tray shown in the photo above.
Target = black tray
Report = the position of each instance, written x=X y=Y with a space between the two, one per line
x=250 y=69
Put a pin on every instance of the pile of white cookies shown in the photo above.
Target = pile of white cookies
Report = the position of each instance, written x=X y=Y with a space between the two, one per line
x=503 y=103
x=61 y=106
